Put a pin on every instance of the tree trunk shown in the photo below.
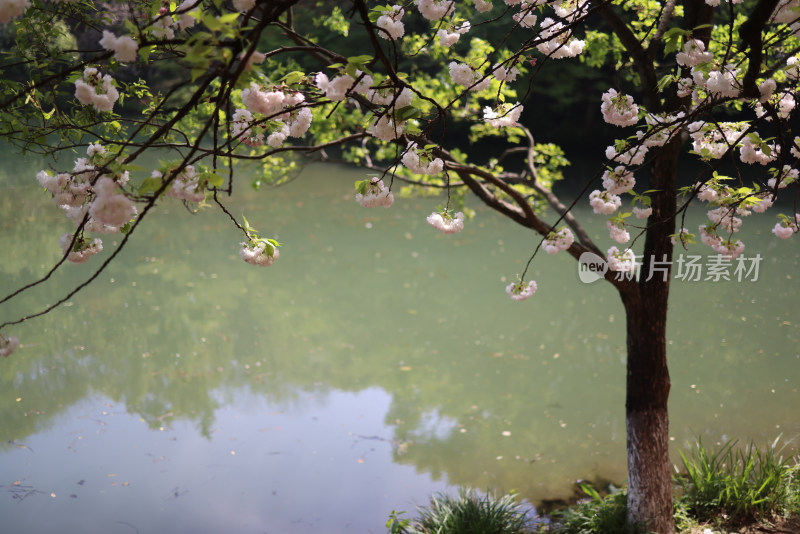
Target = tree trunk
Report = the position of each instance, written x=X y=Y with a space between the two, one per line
x=648 y=383
x=647 y=422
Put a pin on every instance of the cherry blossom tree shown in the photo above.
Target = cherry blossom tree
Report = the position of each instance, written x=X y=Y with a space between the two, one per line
x=96 y=88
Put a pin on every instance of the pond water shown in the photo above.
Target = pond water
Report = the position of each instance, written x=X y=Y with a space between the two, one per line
x=377 y=361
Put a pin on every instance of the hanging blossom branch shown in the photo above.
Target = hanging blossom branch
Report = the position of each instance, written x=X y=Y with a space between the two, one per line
x=368 y=103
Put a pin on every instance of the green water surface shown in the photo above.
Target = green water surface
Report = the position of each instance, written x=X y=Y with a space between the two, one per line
x=375 y=362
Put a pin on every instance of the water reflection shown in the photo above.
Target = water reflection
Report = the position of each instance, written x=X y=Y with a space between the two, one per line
x=387 y=348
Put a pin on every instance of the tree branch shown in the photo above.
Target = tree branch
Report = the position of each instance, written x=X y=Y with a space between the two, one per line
x=564 y=212
x=750 y=33
x=644 y=65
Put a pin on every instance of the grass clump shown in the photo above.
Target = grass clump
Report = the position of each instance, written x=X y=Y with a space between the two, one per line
x=738 y=484
x=606 y=515
x=469 y=512
x=725 y=489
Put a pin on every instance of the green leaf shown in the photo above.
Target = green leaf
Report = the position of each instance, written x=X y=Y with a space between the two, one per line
x=145 y=51
x=664 y=82
x=212 y=22
x=335 y=21
x=293 y=77
x=247 y=225
x=359 y=60
x=407 y=112
x=361 y=186
x=672 y=39
x=228 y=18
x=214 y=179
x=149 y=185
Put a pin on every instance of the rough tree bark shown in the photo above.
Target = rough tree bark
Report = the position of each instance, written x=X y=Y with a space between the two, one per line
x=648 y=382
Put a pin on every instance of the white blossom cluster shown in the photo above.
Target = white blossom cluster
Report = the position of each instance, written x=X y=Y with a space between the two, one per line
x=712 y=140
x=435 y=9
x=784 y=103
x=660 y=128
x=255 y=58
x=521 y=290
x=570 y=10
x=715 y=3
x=558 y=241
x=421 y=164
x=391 y=24
x=482 y=5
x=96 y=89
x=763 y=201
x=375 y=195
x=243 y=128
x=446 y=222
x=642 y=213
x=752 y=151
x=335 y=89
x=82 y=250
x=450 y=35
x=388 y=96
x=185 y=186
x=108 y=207
x=386 y=129
x=259 y=252
x=603 y=202
x=787 y=176
x=271 y=113
x=618 y=232
x=506 y=115
x=125 y=48
x=787 y=227
x=462 y=74
x=505 y=74
x=618 y=181
x=630 y=155
x=725 y=218
x=558 y=42
x=525 y=17
x=720 y=82
x=84 y=191
x=624 y=261
x=619 y=109
x=182 y=19
x=694 y=53
x=165 y=26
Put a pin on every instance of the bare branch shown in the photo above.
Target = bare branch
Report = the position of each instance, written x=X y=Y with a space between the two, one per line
x=750 y=33
x=564 y=212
